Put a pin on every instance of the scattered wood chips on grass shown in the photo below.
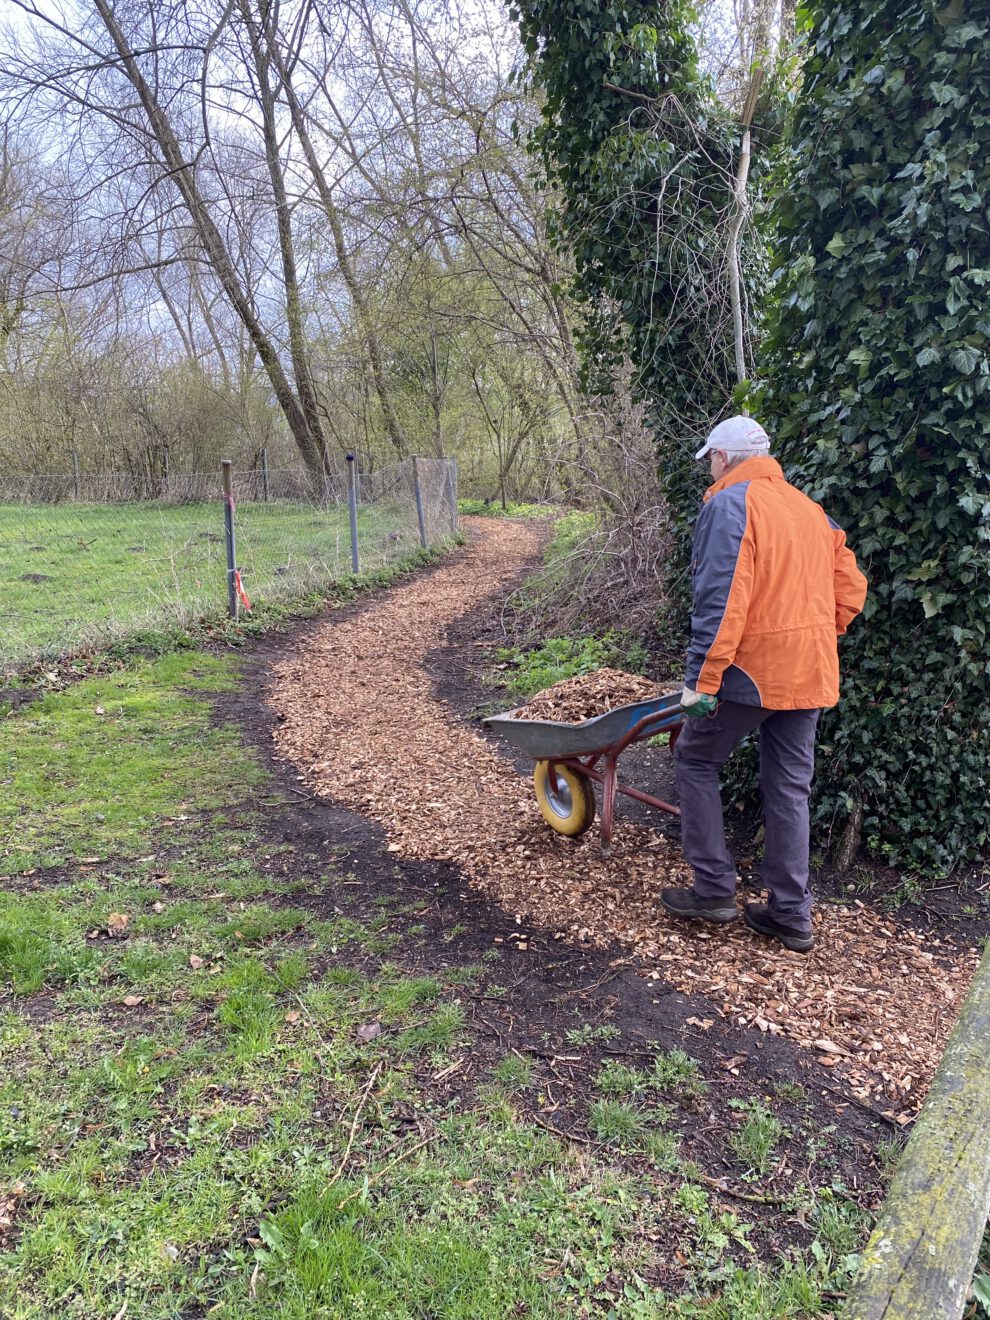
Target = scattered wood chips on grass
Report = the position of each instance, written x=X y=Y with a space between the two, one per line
x=573 y=700
x=874 y=1000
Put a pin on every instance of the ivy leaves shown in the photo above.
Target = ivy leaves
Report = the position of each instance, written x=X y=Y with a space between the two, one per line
x=640 y=156
x=879 y=376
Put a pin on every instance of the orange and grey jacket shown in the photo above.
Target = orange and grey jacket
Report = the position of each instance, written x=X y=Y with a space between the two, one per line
x=774 y=585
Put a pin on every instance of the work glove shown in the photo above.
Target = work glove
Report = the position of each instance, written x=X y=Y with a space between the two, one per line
x=696 y=705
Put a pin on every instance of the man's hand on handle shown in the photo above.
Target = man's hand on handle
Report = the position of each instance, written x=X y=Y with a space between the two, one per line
x=696 y=705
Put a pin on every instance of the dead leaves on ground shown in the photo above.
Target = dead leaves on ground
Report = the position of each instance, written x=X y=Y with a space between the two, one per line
x=9 y=1203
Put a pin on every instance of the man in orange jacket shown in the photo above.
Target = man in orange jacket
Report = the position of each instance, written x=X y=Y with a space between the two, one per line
x=774 y=586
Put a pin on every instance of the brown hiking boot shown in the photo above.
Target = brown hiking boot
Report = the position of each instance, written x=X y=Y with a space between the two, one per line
x=686 y=904
x=757 y=917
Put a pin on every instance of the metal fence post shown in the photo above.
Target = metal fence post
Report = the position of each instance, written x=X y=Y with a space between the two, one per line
x=352 y=503
x=75 y=474
x=164 y=472
x=454 y=518
x=264 y=474
x=419 y=503
x=227 y=477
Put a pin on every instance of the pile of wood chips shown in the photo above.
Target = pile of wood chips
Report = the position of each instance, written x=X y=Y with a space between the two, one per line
x=573 y=700
x=874 y=1001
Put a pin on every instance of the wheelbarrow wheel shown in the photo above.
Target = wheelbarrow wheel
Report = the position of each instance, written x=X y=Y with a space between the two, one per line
x=570 y=809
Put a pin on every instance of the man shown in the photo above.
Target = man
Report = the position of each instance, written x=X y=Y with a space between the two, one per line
x=774 y=586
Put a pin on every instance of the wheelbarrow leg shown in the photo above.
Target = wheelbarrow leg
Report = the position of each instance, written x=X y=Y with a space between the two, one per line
x=608 y=803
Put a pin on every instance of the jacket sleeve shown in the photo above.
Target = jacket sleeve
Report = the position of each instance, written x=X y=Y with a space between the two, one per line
x=850 y=583
x=722 y=562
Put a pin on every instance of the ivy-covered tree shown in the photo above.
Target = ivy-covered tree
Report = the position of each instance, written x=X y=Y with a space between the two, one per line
x=641 y=158
x=879 y=383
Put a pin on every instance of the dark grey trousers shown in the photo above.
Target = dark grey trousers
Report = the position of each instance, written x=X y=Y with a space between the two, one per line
x=787 y=766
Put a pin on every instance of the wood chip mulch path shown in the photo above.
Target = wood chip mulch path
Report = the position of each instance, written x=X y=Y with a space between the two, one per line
x=359 y=720
x=574 y=700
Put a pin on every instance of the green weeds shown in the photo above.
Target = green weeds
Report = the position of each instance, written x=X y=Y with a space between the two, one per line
x=525 y=672
x=619 y=1079
x=514 y=1071
x=676 y=1071
x=755 y=1141
x=589 y=1035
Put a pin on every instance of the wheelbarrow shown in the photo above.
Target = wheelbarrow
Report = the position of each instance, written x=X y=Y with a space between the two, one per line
x=571 y=757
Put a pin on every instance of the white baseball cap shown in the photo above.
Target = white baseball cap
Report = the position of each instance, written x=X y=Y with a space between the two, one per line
x=738 y=435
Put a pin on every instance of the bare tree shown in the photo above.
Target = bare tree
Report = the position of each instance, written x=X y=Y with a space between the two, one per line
x=330 y=199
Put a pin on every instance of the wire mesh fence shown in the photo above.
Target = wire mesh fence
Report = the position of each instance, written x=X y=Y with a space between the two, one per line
x=88 y=560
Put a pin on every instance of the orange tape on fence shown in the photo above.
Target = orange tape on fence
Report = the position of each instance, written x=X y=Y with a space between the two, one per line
x=240 y=590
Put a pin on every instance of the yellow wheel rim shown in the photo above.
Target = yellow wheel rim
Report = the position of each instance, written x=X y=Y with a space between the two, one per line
x=569 y=808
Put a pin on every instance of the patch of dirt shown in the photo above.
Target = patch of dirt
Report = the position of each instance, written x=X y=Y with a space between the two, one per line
x=10 y=1203
x=14 y=698
x=360 y=721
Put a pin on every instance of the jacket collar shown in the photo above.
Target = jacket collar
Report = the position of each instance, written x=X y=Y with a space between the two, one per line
x=750 y=469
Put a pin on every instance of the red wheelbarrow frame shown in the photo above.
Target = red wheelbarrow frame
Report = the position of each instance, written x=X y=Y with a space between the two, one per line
x=608 y=777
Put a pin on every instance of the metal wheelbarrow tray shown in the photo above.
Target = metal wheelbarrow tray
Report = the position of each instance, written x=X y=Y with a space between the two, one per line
x=570 y=757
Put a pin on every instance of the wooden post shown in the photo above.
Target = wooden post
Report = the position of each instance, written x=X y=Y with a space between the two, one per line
x=75 y=474
x=352 y=505
x=227 y=477
x=919 y=1262
x=420 y=516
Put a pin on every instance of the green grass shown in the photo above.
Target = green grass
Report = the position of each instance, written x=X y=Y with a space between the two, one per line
x=619 y=1079
x=93 y=768
x=514 y=1071
x=754 y=1143
x=622 y=1124
x=194 y=1118
x=513 y=509
x=78 y=575
x=676 y=1071
x=568 y=532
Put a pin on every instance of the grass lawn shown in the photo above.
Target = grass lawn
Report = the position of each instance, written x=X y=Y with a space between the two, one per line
x=76 y=574
x=229 y=1080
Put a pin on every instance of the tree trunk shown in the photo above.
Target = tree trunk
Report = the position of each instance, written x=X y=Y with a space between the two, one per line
x=182 y=173
x=347 y=269
x=844 y=853
x=919 y=1262
x=305 y=386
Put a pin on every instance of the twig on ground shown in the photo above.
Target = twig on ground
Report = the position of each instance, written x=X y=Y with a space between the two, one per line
x=558 y=1132
x=717 y=1185
x=867 y=1109
x=582 y=991
x=381 y=1172
x=354 y=1125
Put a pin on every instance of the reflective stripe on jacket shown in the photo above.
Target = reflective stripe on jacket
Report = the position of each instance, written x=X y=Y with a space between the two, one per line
x=774 y=585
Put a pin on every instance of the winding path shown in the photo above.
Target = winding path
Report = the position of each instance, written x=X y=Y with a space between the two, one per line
x=360 y=721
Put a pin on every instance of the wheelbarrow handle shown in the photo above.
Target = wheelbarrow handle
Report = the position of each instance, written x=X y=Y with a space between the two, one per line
x=655 y=723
